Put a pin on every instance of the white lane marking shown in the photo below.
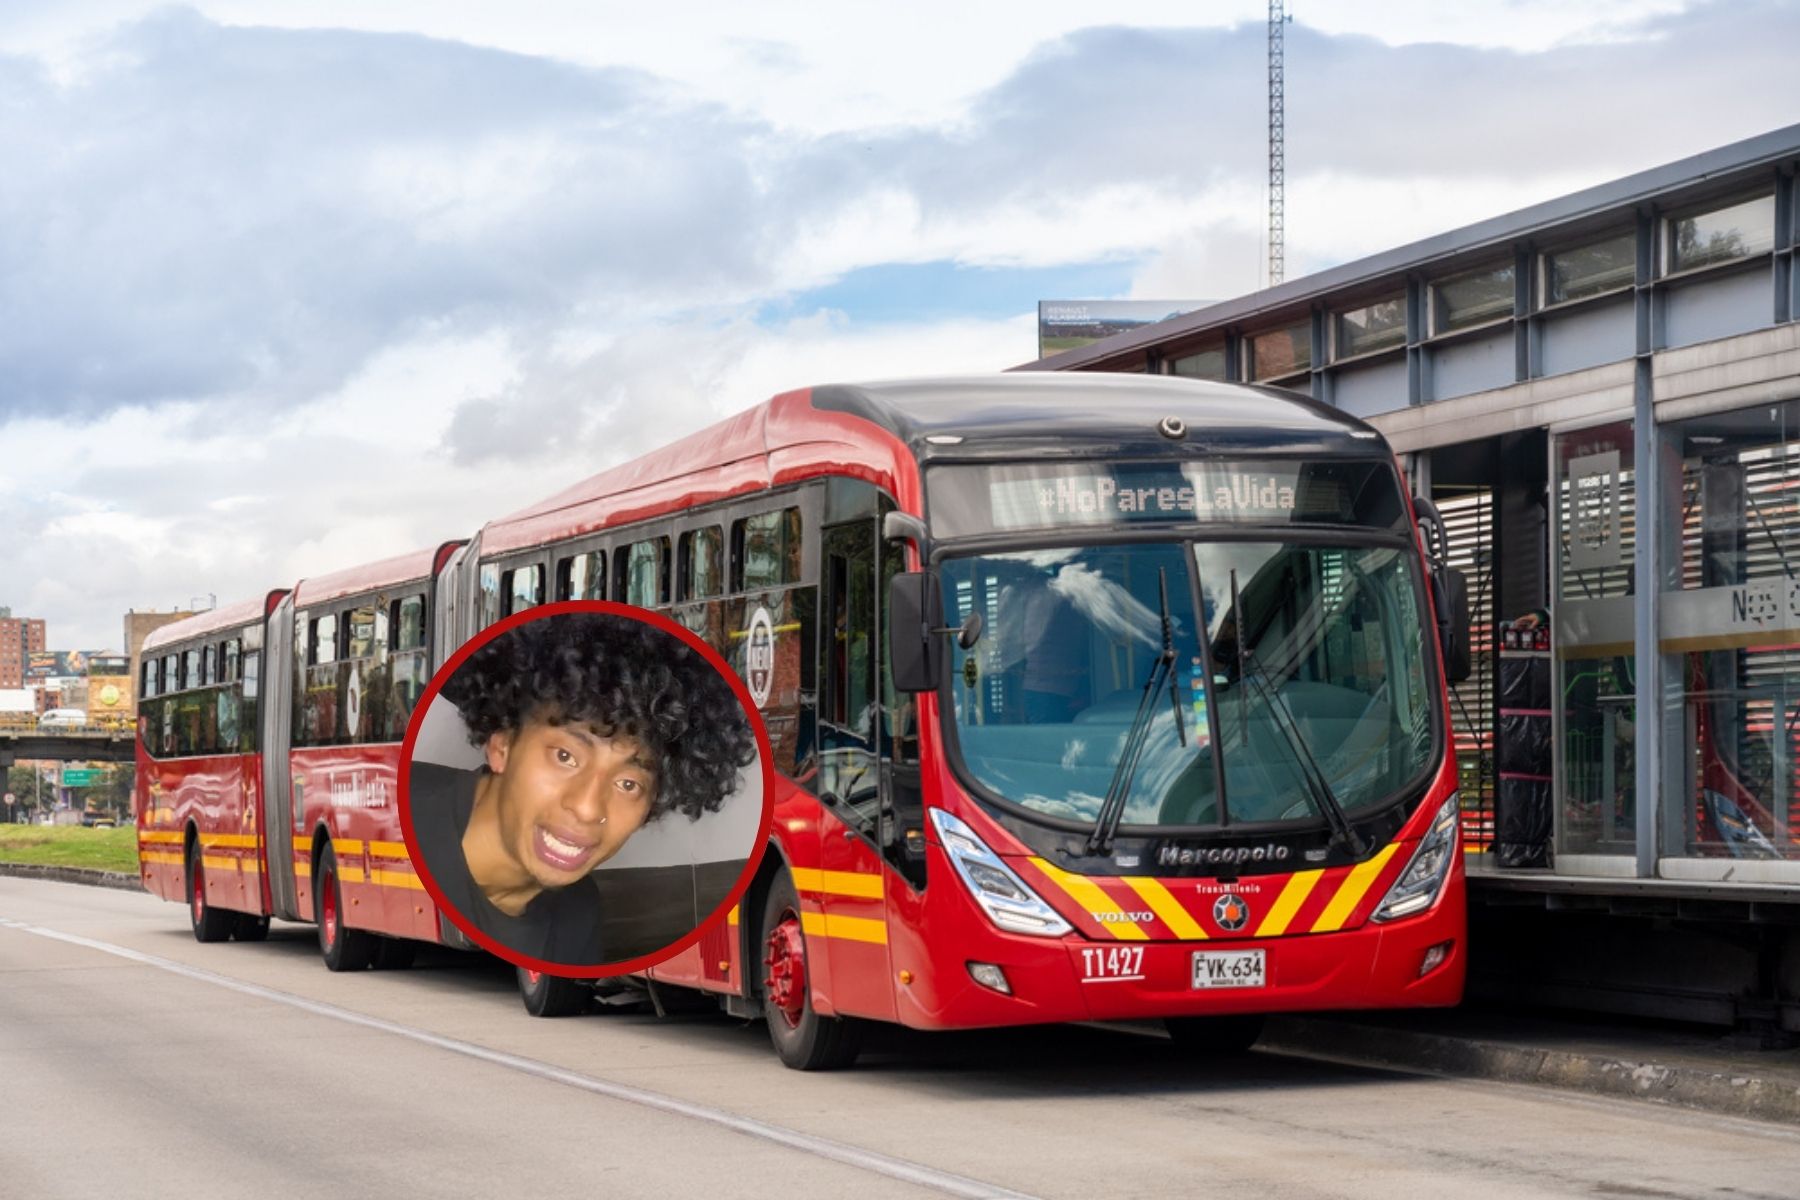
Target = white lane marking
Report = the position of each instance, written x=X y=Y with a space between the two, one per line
x=853 y=1156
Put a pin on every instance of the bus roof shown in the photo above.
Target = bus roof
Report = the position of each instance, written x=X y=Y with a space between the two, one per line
x=882 y=430
x=1004 y=416
x=402 y=568
x=231 y=616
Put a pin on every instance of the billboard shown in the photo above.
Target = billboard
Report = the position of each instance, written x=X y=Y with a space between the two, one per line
x=51 y=664
x=1066 y=324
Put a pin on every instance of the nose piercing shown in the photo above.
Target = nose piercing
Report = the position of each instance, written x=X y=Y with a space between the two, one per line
x=602 y=820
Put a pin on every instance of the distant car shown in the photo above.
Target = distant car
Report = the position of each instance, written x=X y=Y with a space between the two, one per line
x=102 y=823
x=62 y=718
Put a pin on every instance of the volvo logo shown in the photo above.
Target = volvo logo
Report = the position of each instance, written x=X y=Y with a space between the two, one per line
x=1231 y=912
x=1179 y=856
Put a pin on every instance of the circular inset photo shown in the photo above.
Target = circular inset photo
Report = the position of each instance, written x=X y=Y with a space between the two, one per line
x=585 y=789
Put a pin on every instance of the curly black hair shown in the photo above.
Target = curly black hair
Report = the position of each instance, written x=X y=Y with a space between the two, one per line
x=625 y=678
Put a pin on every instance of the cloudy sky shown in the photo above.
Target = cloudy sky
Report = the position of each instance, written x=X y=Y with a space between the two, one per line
x=286 y=287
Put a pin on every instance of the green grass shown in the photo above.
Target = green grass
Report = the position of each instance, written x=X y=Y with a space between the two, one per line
x=70 y=846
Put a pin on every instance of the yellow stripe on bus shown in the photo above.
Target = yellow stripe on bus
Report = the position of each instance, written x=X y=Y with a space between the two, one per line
x=351 y=874
x=303 y=868
x=171 y=860
x=731 y=918
x=160 y=835
x=1091 y=897
x=391 y=849
x=837 y=883
x=347 y=845
x=1167 y=907
x=1351 y=894
x=228 y=841
x=854 y=929
x=399 y=879
x=1288 y=903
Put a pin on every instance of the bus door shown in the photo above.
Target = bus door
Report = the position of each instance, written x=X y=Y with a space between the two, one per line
x=851 y=886
x=275 y=728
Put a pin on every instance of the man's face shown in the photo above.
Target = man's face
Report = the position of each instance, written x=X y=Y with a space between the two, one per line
x=569 y=797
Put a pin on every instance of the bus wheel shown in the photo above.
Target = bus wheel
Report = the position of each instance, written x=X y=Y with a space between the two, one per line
x=343 y=948
x=250 y=928
x=551 y=995
x=395 y=954
x=1234 y=1034
x=210 y=924
x=803 y=1039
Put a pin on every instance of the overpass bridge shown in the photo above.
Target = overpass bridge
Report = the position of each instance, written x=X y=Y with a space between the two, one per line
x=88 y=743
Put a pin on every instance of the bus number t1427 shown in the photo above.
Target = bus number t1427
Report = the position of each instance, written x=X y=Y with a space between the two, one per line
x=1104 y=964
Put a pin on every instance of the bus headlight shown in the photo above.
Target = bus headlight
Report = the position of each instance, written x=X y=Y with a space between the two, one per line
x=1007 y=900
x=1422 y=882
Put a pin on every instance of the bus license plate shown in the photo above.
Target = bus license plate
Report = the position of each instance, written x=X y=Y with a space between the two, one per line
x=1230 y=969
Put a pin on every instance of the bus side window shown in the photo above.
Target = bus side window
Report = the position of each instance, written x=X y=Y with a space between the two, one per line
x=249 y=736
x=697 y=567
x=582 y=576
x=522 y=588
x=490 y=594
x=407 y=668
x=765 y=550
x=643 y=573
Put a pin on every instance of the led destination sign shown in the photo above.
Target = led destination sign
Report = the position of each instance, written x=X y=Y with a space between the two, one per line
x=968 y=500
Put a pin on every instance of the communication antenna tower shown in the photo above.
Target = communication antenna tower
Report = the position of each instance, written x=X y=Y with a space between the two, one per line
x=1277 y=153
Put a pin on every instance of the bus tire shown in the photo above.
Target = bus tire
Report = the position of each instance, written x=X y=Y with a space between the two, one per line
x=250 y=928
x=342 y=948
x=1233 y=1034
x=803 y=1039
x=210 y=924
x=552 y=995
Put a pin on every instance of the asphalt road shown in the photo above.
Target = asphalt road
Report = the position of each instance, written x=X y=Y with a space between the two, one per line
x=136 y=1062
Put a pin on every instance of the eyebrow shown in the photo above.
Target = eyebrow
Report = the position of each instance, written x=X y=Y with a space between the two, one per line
x=593 y=737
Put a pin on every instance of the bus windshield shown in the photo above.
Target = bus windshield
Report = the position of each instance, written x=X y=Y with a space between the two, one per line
x=1321 y=641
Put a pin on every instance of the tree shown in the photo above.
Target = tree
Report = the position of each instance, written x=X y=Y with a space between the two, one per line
x=23 y=782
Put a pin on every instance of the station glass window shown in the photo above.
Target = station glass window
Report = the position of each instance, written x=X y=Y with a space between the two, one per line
x=1475 y=298
x=1202 y=364
x=1594 y=269
x=232 y=653
x=766 y=549
x=1730 y=635
x=582 y=576
x=1281 y=351
x=1719 y=235
x=1377 y=326
x=209 y=666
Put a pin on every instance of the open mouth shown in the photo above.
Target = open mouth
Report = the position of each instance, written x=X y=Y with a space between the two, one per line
x=559 y=853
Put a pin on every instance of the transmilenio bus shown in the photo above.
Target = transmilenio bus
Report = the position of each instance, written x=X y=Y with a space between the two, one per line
x=1090 y=698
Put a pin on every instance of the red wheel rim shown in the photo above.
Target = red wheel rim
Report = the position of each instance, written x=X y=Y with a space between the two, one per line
x=786 y=959
x=328 y=899
x=533 y=978
x=199 y=890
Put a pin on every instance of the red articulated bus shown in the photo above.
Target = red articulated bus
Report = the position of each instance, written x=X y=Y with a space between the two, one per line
x=1091 y=698
x=283 y=803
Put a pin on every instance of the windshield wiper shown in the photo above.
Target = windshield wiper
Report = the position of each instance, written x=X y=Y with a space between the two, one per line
x=1162 y=671
x=1323 y=798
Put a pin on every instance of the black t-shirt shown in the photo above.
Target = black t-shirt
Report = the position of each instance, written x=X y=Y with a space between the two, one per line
x=559 y=926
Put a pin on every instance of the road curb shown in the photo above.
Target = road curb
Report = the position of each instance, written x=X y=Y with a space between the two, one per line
x=87 y=875
x=1729 y=1092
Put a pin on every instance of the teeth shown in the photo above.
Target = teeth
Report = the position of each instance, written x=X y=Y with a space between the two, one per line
x=557 y=844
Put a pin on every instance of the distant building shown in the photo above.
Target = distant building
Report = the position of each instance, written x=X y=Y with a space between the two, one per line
x=19 y=636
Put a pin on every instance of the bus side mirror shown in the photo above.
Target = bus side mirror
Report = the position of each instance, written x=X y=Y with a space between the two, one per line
x=914 y=602
x=1451 y=595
